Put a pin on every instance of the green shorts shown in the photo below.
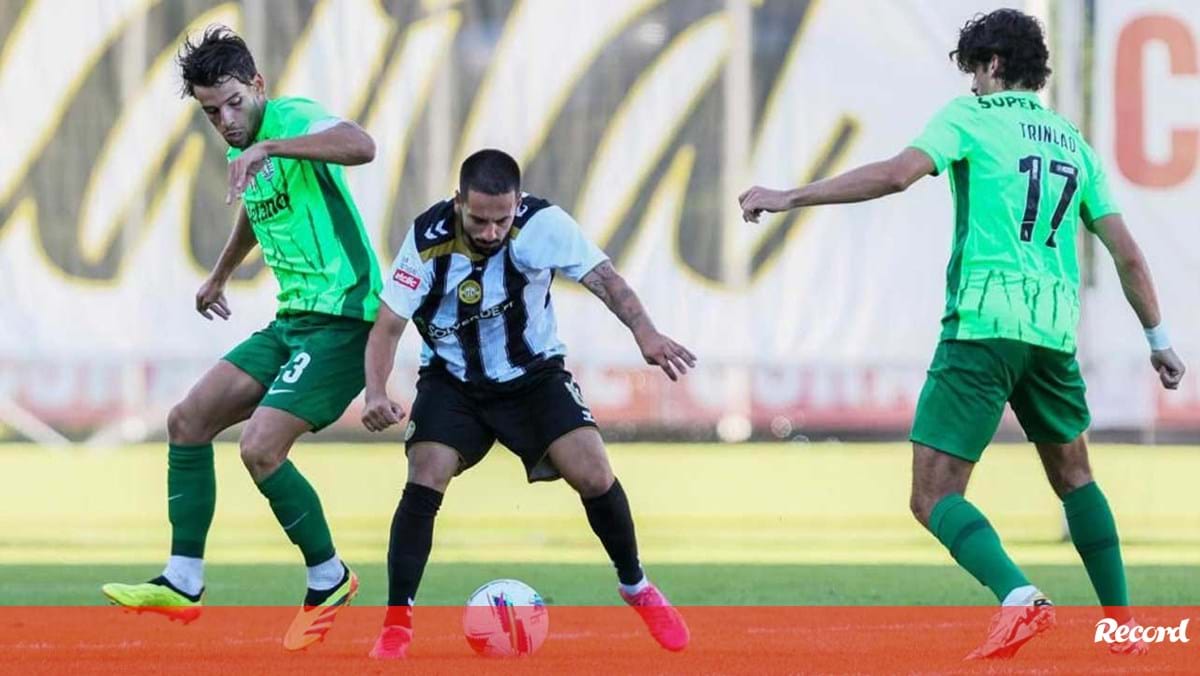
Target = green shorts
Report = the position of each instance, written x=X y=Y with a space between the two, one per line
x=970 y=380
x=311 y=364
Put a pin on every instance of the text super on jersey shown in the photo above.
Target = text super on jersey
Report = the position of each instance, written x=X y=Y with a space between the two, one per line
x=487 y=319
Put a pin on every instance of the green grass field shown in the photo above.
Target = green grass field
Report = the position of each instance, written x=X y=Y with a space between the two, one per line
x=593 y=584
x=755 y=524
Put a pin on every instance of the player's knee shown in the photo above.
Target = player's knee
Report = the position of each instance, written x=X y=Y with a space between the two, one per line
x=432 y=478
x=259 y=455
x=594 y=482
x=431 y=471
x=184 y=426
x=921 y=506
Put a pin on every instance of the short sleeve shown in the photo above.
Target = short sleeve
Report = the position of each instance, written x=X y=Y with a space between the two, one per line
x=300 y=117
x=1097 y=200
x=408 y=280
x=945 y=139
x=552 y=240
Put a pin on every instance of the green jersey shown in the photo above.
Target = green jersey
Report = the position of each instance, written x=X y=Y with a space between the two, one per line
x=305 y=220
x=1021 y=177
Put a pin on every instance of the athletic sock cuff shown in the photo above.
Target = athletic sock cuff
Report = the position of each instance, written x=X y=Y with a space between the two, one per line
x=943 y=507
x=188 y=448
x=614 y=491
x=280 y=475
x=419 y=500
x=189 y=457
x=1084 y=498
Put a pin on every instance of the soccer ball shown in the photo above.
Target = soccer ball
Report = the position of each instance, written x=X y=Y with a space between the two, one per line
x=505 y=618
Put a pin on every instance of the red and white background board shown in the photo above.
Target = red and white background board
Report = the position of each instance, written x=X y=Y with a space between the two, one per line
x=1147 y=130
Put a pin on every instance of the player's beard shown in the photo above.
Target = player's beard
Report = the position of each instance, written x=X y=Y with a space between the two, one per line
x=485 y=250
x=238 y=141
x=249 y=132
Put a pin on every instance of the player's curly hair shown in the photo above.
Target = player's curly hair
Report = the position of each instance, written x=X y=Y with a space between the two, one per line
x=220 y=54
x=1015 y=37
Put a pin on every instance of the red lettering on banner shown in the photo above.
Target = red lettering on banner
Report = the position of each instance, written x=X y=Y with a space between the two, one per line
x=405 y=279
x=1130 y=100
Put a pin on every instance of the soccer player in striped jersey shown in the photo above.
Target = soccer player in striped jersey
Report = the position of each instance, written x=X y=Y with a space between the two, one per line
x=1022 y=179
x=473 y=276
x=296 y=375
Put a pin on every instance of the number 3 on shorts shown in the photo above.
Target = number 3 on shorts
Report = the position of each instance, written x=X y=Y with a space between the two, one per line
x=577 y=395
x=297 y=366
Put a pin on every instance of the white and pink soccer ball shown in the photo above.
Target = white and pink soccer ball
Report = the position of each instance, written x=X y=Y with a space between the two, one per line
x=505 y=618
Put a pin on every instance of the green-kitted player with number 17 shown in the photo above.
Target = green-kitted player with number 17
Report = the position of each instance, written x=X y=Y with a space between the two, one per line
x=286 y=158
x=1022 y=178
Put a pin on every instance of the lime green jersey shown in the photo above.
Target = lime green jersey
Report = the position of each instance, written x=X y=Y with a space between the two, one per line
x=305 y=220
x=1022 y=178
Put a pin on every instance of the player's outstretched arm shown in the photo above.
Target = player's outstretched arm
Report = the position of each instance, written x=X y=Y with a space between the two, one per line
x=210 y=299
x=379 y=411
x=867 y=182
x=1138 y=286
x=659 y=350
x=344 y=143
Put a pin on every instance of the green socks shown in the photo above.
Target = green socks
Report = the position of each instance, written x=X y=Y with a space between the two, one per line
x=974 y=544
x=191 y=497
x=298 y=510
x=1094 y=533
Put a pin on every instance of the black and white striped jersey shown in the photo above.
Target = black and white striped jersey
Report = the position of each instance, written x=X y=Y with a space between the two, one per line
x=487 y=319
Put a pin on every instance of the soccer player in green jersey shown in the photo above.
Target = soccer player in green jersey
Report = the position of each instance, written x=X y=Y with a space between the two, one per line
x=298 y=373
x=1022 y=178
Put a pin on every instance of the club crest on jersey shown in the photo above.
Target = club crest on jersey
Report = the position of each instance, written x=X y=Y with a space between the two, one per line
x=469 y=292
x=268 y=169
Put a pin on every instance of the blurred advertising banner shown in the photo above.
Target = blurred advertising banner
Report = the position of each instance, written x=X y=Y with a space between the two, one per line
x=1147 y=130
x=644 y=119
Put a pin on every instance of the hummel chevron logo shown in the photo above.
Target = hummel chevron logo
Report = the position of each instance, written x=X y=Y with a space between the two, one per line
x=436 y=231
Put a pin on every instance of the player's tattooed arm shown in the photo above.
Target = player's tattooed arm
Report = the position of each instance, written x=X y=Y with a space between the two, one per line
x=609 y=286
x=210 y=299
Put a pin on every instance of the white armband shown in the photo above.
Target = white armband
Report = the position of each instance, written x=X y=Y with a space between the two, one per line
x=1157 y=337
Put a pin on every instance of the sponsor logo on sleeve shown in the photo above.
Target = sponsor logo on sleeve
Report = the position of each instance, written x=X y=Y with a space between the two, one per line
x=406 y=279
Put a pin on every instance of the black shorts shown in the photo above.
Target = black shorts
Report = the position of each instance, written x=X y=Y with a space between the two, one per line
x=526 y=415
